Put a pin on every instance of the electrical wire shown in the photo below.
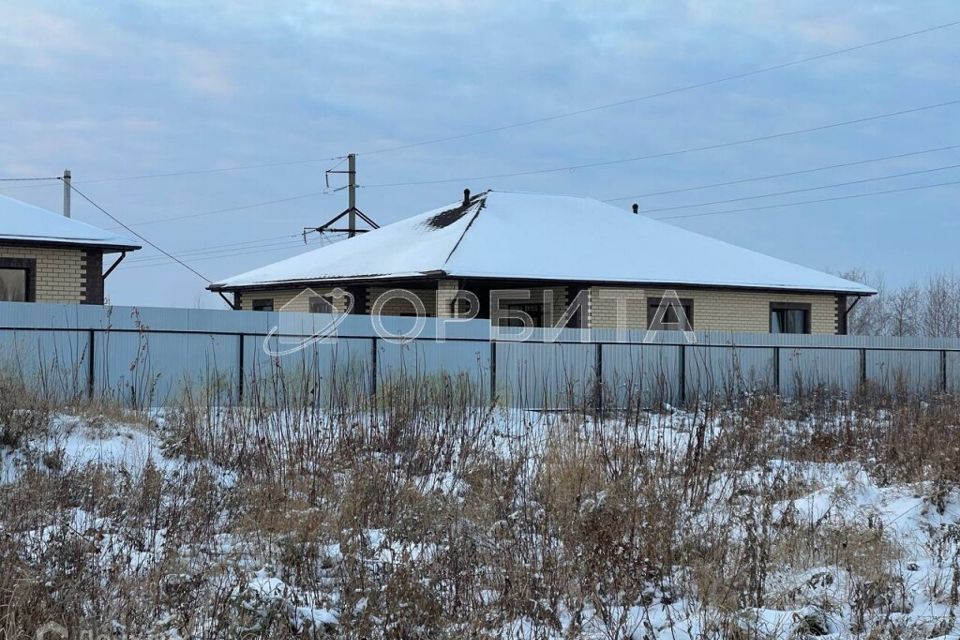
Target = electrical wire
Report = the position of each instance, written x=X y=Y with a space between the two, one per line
x=676 y=152
x=796 y=204
x=253 y=205
x=192 y=172
x=230 y=246
x=659 y=94
x=787 y=174
x=568 y=114
x=278 y=247
x=804 y=189
x=115 y=219
x=27 y=179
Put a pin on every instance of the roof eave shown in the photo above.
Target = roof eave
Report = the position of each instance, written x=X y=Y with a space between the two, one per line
x=47 y=242
x=306 y=282
x=436 y=274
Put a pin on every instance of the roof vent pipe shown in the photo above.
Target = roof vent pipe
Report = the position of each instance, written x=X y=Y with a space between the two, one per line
x=466 y=197
x=636 y=208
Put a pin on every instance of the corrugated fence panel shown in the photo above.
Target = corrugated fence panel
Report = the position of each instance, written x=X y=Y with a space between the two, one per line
x=308 y=370
x=149 y=369
x=652 y=371
x=911 y=371
x=544 y=375
x=461 y=361
x=714 y=372
x=57 y=361
x=804 y=370
x=953 y=371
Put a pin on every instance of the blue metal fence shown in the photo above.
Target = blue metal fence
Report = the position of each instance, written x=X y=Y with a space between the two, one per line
x=142 y=355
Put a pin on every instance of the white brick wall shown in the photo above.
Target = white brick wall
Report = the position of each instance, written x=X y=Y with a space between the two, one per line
x=714 y=310
x=60 y=273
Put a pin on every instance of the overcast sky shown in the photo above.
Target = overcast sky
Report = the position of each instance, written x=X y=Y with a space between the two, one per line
x=132 y=88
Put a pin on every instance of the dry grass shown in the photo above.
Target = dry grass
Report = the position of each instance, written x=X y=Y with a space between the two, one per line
x=417 y=514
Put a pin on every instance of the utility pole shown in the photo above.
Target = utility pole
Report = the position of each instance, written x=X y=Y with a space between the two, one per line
x=352 y=187
x=351 y=212
x=66 y=193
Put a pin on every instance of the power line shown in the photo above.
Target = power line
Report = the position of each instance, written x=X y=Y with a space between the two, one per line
x=114 y=218
x=677 y=152
x=28 y=179
x=230 y=246
x=787 y=174
x=253 y=205
x=796 y=204
x=804 y=189
x=265 y=249
x=524 y=123
x=659 y=94
x=192 y=172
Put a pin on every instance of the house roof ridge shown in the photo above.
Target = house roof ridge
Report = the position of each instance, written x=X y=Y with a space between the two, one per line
x=480 y=203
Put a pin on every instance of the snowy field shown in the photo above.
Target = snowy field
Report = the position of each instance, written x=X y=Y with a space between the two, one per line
x=430 y=520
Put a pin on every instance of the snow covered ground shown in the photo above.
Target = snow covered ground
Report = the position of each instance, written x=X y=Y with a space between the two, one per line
x=244 y=541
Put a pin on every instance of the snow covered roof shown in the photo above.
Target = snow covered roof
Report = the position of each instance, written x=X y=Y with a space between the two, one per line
x=503 y=235
x=22 y=222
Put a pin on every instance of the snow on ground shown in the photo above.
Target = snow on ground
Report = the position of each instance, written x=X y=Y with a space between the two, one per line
x=816 y=600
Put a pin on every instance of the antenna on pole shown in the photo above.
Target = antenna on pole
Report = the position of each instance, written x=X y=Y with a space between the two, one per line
x=66 y=193
x=351 y=212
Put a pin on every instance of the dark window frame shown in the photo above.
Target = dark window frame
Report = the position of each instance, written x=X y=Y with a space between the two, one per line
x=259 y=304
x=316 y=302
x=29 y=266
x=653 y=304
x=536 y=311
x=793 y=306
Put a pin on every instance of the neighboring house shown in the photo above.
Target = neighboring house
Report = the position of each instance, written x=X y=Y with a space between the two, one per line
x=565 y=248
x=46 y=257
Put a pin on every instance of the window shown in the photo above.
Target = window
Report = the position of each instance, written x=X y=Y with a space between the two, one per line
x=16 y=279
x=320 y=304
x=263 y=304
x=670 y=320
x=13 y=285
x=459 y=307
x=789 y=318
x=534 y=310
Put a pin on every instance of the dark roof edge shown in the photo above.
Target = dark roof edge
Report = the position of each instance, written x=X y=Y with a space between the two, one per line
x=434 y=275
x=106 y=248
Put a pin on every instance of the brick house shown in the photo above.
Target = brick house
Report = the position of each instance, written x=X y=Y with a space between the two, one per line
x=560 y=249
x=46 y=257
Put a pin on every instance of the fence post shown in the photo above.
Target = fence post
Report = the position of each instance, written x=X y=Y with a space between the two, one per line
x=776 y=371
x=493 y=370
x=944 y=382
x=373 y=366
x=240 y=359
x=683 y=375
x=598 y=377
x=91 y=364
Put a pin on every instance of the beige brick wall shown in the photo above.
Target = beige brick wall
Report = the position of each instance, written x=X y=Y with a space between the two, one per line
x=398 y=306
x=446 y=292
x=60 y=275
x=714 y=310
x=603 y=307
x=289 y=299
